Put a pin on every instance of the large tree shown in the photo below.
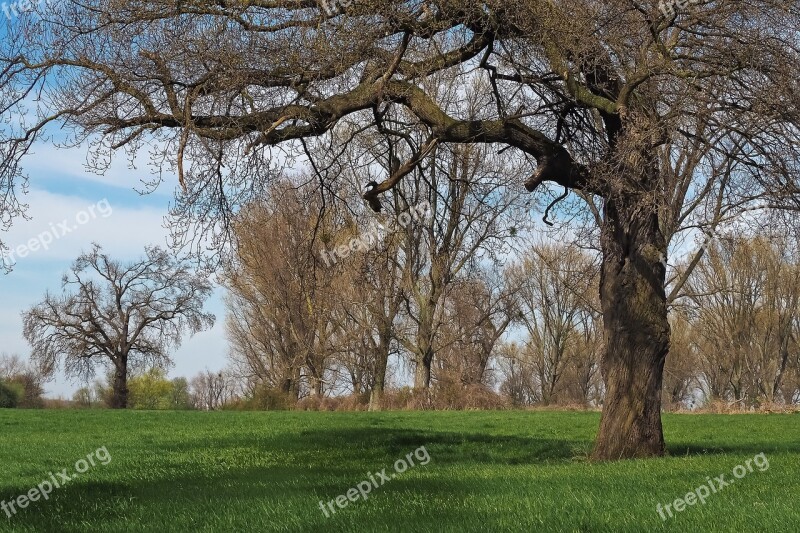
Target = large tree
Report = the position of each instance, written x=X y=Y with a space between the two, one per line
x=282 y=297
x=658 y=122
x=556 y=288
x=124 y=315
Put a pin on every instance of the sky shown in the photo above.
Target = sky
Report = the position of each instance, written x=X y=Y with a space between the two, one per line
x=107 y=210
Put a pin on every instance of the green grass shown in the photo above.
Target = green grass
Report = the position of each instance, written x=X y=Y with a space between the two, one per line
x=489 y=471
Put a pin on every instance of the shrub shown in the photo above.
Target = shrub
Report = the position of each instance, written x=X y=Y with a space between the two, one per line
x=29 y=390
x=264 y=399
x=10 y=394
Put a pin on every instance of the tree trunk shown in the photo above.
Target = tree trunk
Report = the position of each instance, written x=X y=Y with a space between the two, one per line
x=119 y=393
x=381 y=364
x=636 y=331
x=290 y=385
x=422 y=374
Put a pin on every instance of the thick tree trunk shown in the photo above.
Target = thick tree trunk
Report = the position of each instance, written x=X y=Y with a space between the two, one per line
x=381 y=364
x=636 y=331
x=422 y=373
x=290 y=385
x=425 y=334
x=119 y=393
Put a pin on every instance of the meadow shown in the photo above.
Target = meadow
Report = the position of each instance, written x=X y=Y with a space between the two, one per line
x=487 y=471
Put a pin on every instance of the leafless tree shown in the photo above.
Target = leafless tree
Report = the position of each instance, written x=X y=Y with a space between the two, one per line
x=746 y=297
x=281 y=295
x=473 y=214
x=126 y=315
x=557 y=297
x=479 y=311
x=211 y=390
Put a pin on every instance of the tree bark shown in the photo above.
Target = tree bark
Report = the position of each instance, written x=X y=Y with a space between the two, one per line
x=381 y=364
x=290 y=385
x=422 y=374
x=637 y=332
x=119 y=394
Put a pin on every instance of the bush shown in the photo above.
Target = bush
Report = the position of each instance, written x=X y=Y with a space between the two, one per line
x=264 y=399
x=352 y=402
x=445 y=396
x=30 y=391
x=10 y=394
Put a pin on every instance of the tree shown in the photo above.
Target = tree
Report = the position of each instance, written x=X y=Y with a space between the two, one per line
x=472 y=215
x=479 y=312
x=150 y=390
x=212 y=390
x=371 y=296
x=180 y=396
x=682 y=371
x=745 y=295
x=657 y=122
x=280 y=302
x=126 y=315
x=9 y=395
x=556 y=292
x=24 y=378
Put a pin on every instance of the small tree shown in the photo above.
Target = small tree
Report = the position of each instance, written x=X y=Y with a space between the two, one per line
x=151 y=390
x=24 y=378
x=180 y=397
x=84 y=397
x=9 y=395
x=212 y=390
x=125 y=315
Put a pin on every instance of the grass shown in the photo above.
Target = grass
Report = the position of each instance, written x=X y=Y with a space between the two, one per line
x=488 y=471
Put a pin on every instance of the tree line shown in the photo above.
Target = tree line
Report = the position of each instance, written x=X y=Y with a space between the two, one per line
x=450 y=297
x=521 y=321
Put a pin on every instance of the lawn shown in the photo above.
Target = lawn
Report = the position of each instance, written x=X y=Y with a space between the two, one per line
x=485 y=471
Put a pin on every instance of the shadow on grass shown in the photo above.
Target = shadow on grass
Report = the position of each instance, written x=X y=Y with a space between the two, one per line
x=379 y=443
x=306 y=466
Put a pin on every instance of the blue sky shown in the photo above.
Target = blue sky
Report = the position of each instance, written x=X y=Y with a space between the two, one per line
x=61 y=189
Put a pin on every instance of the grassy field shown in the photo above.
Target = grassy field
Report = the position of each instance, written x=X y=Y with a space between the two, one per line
x=487 y=471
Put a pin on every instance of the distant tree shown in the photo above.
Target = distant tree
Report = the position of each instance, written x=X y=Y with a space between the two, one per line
x=24 y=378
x=124 y=315
x=681 y=371
x=478 y=313
x=85 y=397
x=151 y=390
x=280 y=300
x=473 y=212
x=557 y=295
x=519 y=382
x=9 y=395
x=11 y=365
x=745 y=297
x=180 y=397
x=212 y=390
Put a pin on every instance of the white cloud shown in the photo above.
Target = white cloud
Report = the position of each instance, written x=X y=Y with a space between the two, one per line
x=73 y=223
